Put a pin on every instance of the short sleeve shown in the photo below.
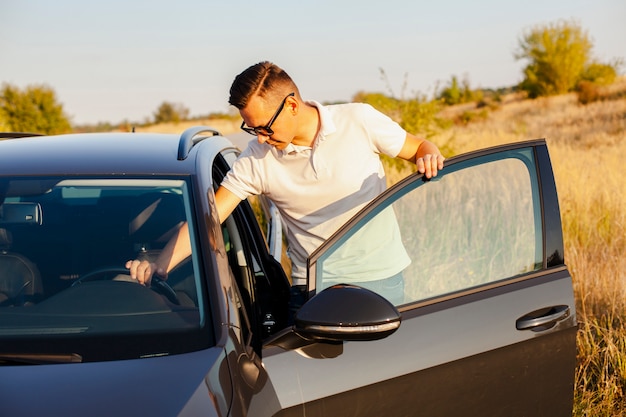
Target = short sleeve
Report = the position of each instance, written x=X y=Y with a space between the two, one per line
x=244 y=178
x=385 y=134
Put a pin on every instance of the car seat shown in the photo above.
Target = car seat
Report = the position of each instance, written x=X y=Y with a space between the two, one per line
x=20 y=281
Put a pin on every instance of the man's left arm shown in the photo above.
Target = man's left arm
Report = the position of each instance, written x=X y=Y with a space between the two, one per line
x=424 y=154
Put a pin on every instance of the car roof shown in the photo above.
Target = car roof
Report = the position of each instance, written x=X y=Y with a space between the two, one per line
x=116 y=153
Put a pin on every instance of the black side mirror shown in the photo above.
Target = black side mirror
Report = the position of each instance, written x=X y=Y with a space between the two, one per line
x=347 y=312
x=337 y=314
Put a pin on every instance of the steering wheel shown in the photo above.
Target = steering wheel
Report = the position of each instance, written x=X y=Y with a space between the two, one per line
x=116 y=273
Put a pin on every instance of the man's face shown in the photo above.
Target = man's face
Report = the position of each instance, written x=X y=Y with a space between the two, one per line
x=268 y=121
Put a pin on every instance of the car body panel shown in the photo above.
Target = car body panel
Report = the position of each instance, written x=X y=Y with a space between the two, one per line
x=449 y=340
x=98 y=153
x=160 y=386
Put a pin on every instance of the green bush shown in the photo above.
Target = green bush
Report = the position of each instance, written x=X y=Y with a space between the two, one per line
x=457 y=94
x=385 y=104
x=600 y=74
x=33 y=110
x=170 y=113
x=417 y=115
x=452 y=93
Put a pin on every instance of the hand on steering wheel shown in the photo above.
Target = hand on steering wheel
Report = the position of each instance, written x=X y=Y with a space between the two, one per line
x=142 y=271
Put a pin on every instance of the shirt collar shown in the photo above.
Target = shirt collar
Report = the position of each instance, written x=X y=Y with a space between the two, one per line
x=291 y=148
x=327 y=127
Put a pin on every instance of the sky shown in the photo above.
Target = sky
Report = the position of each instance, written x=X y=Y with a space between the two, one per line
x=118 y=60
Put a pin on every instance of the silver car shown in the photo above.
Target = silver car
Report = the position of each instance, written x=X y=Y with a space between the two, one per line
x=486 y=325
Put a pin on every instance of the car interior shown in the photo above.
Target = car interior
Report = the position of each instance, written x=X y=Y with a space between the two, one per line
x=21 y=282
x=55 y=237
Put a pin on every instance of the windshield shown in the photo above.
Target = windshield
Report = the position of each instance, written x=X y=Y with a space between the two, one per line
x=63 y=286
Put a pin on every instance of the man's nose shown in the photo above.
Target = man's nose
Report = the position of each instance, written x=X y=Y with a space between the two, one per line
x=262 y=138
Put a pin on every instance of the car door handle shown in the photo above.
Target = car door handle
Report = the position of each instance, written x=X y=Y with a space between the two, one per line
x=542 y=319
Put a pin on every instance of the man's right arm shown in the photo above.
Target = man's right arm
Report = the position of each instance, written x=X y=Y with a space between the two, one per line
x=178 y=248
x=226 y=201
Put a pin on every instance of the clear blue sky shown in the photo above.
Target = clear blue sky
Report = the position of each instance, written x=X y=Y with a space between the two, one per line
x=114 y=60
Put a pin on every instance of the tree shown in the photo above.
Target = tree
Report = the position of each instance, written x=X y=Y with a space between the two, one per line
x=34 y=110
x=170 y=112
x=4 y=124
x=559 y=56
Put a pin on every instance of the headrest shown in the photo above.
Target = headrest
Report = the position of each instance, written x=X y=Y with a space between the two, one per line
x=5 y=237
x=156 y=217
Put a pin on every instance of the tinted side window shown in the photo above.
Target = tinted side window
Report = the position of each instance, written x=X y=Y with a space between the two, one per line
x=477 y=223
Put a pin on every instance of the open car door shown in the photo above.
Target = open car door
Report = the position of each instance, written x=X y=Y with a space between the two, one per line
x=488 y=323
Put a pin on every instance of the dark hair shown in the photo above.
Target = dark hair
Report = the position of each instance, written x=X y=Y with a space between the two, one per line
x=263 y=79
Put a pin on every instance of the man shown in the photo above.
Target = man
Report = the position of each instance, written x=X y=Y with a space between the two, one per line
x=318 y=164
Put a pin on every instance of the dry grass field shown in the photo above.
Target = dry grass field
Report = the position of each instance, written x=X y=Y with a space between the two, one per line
x=224 y=126
x=587 y=145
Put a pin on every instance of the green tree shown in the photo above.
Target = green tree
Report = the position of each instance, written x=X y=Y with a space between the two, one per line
x=34 y=109
x=559 y=58
x=170 y=113
x=4 y=124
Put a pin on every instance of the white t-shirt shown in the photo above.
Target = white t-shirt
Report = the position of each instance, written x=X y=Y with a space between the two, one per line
x=318 y=189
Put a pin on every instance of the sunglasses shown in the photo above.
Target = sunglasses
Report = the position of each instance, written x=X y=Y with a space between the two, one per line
x=267 y=129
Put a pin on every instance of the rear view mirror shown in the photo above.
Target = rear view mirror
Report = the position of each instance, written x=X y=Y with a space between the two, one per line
x=20 y=213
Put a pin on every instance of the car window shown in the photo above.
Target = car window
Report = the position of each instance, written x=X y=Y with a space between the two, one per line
x=63 y=246
x=472 y=225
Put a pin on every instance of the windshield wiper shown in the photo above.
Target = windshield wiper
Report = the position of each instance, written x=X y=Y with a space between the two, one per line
x=38 y=358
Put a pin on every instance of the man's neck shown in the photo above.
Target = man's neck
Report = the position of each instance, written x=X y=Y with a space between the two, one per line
x=310 y=126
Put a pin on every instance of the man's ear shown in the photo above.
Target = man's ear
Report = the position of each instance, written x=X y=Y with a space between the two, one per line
x=292 y=105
